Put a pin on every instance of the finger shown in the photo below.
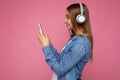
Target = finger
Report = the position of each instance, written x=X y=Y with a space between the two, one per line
x=40 y=34
x=47 y=37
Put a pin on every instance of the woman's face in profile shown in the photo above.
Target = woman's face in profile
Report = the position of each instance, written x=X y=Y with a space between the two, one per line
x=68 y=21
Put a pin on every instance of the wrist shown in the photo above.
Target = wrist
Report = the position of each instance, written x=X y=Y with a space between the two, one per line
x=44 y=45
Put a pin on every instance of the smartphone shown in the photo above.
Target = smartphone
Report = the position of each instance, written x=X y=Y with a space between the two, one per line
x=40 y=28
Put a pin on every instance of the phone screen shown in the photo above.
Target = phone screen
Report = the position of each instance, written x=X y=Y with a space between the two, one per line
x=40 y=28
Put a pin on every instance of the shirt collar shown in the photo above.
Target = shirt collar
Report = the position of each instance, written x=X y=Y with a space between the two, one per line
x=78 y=36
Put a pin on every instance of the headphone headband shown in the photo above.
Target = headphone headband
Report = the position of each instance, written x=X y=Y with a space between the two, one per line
x=81 y=8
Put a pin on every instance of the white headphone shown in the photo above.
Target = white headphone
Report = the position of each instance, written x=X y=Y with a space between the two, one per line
x=80 y=17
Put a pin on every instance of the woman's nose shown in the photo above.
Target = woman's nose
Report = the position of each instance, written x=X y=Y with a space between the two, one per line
x=65 y=20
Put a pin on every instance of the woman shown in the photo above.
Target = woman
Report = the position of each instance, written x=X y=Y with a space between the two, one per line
x=68 y=65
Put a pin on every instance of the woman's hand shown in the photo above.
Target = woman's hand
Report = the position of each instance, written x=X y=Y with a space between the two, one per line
x=44 y=39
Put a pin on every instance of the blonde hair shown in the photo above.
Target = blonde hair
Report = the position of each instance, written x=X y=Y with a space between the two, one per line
x=74 y=10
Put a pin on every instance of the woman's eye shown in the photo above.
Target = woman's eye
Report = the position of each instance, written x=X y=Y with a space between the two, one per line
x=67 y=17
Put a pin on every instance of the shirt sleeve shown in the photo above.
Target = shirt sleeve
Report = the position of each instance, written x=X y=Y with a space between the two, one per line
x=67 y=61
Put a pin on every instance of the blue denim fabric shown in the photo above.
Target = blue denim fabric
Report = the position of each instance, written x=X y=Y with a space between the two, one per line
x=69 y=63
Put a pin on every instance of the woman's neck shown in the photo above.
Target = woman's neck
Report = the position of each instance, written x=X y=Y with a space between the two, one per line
x=78 y=32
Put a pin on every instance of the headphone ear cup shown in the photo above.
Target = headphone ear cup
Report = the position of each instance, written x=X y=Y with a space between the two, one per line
x=80 y=19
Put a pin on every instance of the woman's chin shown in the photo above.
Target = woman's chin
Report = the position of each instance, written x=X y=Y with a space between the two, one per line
x=68 y=27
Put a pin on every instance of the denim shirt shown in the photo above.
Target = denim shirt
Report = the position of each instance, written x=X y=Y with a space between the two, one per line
x=69 y=63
